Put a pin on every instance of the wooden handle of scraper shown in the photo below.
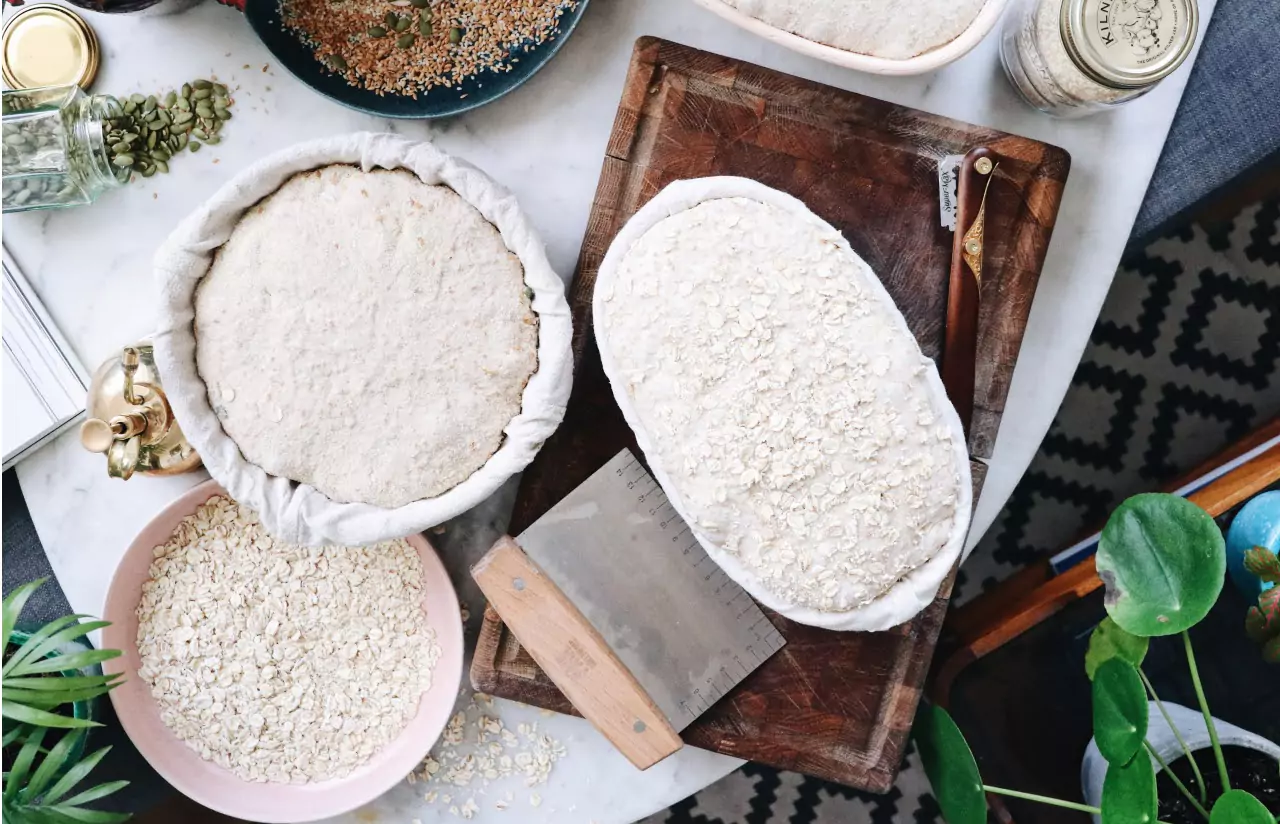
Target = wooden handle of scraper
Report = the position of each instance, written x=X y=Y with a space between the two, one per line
x=574 y=655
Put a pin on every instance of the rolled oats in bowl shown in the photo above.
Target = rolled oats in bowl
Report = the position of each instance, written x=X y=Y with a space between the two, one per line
x=278 y=662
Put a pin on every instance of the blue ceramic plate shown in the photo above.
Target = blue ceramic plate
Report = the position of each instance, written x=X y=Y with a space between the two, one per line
x=264 y=17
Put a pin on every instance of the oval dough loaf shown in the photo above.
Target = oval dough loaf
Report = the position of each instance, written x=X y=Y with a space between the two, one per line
x=784 y=404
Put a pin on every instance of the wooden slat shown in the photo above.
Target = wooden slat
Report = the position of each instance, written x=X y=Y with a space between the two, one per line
x=1034 y=594
x=835 y=705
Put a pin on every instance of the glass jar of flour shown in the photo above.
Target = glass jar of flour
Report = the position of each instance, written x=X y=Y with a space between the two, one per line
x=1073 y=57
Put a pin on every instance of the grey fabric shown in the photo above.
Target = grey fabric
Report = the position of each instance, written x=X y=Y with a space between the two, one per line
x=1229 y=121
x=24 y=559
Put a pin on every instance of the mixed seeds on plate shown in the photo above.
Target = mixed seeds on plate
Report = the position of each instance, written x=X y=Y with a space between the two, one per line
x=411 y=46
x=148 y=130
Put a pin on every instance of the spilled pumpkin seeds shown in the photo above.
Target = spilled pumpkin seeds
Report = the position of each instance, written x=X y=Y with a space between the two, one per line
x=148 y=131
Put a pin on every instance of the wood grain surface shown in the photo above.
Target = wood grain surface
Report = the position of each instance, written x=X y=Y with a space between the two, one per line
x=834 y=705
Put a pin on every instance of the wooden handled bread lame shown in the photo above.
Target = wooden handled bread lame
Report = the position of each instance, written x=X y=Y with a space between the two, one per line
x=960 y=347
x=617 y=602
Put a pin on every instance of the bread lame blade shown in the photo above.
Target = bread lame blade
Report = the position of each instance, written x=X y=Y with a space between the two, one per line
x=618 y=552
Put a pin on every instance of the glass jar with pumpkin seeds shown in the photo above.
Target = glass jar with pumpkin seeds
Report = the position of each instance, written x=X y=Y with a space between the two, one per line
x=55 y=149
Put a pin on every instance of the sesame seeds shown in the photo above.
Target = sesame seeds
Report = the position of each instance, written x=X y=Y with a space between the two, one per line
x=399 y=47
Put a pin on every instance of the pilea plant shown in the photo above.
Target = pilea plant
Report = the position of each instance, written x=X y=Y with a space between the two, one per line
x=1163 y=562
x=1263 y=621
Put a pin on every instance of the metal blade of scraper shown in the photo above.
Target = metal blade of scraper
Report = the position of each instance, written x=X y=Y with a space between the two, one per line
x=619 y=552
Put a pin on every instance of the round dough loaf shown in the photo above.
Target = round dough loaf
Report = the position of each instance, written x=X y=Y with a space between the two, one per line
x=365 y=333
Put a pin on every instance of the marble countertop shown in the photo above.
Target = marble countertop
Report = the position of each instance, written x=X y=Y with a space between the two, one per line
x=91 y=266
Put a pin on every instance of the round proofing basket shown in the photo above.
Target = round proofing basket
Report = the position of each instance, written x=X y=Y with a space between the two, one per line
x=298 y=512
x=220 y=789
x=949 y=52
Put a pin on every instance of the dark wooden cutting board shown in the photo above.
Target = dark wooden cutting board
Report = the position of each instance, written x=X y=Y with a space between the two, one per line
x=835 y=705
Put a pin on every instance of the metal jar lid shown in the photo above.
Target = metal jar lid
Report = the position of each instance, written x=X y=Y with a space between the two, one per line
x=1128 y=44
x=48 y=45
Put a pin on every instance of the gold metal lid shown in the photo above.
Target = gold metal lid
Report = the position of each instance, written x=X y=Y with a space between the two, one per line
x=1129 y=44
x=48 y=45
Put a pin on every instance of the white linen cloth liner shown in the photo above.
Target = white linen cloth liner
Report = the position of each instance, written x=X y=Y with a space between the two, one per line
x=915 y=591
x=298 y=512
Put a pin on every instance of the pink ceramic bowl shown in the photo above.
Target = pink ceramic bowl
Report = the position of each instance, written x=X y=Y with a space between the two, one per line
x=219 y=789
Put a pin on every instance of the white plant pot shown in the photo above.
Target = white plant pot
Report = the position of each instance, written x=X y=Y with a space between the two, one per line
x=1190 y=724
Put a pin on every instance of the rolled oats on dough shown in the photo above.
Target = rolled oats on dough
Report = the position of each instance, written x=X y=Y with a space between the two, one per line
x=367 y=334
x=277 y=662
x=778 y=389
x=892 y=29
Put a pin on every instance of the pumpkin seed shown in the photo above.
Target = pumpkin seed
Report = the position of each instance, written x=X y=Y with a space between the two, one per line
x=204 y=111
x=137 y=99
x=149 y=171
x=193 y=146
x=213 y=140
x=455 y=35
x=419 y=4
x=220 y=90
x=222 y=114
x=390 y=19
x=122 y=146
x=201 y=84
x=186 y=90
x=201 y=94
x=170 y=99
x=377 y=31
x=200 y=134
x=162 y=166
x=123 y=160
x=424 y=27
x=402 y=24
x=151 y=140
x=404 y=41
x=182 y=117
x=338 y=62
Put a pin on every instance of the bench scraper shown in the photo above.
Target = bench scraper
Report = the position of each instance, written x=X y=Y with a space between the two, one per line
x=613 y=596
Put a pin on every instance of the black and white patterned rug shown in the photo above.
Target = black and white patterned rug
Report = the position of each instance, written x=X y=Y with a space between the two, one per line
x=1182 y=361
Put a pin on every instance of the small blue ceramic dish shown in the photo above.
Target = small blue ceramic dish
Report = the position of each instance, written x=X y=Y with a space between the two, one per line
x=289 y=50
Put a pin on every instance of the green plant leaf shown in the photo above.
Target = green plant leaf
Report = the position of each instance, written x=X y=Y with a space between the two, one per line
x=16 y=778
x=74 y=661
x=78 y=814
x=42 y=718
x=66 y=682
x=1120 y=711
x=48 y=699
x=1263 y=563
x=27 y=650
x=950 y=766
x=51 y=765
x=75 y=775
x=1109 y=641
x=14 y=603
x=1163 y=561
x=93 y=794
x=1239 y=807
x=52 y=642
x=1129 y=793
